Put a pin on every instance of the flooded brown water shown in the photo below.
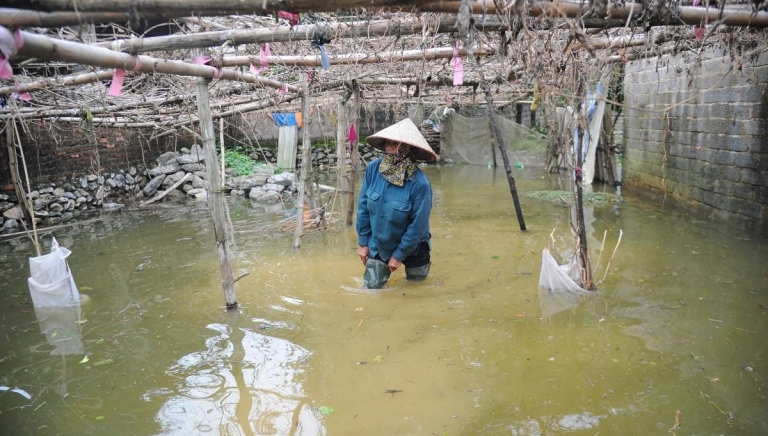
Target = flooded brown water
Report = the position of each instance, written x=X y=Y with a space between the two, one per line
x=676 y=326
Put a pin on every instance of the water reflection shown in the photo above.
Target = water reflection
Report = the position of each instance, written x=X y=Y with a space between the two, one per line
x=62 y=329
x=243 y=383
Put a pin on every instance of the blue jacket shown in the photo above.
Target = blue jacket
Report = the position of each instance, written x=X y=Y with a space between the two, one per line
x=393 y=220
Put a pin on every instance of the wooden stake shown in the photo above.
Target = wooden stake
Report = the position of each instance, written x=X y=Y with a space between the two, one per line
x=306 y=162
x=504 y=156
x=216 y=195
x=355 y=154
x=586 y=269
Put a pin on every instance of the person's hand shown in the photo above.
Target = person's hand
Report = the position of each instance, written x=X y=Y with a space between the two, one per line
x=363 y=253
x=394 y=264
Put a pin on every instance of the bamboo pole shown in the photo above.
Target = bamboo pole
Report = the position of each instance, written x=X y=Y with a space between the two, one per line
x=216 y=197
x=689 y=15
x=44 y=48
x=235 y=37
x=306 y=61
x=12 y=17
x=355 y=154
x=358 y=58
x=342 y=145
x=306 y=162
x=586 y=269
x=156 y=9
x=152 y=105
x=175 y=8
x=504 y=156
x=77 y=79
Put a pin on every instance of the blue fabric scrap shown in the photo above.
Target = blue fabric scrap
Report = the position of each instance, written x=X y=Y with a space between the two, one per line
x=284 y=119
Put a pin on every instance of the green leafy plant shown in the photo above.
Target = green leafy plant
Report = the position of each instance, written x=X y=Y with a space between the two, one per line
x=240 y=163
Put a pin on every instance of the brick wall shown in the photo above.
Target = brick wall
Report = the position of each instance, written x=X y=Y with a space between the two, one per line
x=710 y=154
x=63 y=151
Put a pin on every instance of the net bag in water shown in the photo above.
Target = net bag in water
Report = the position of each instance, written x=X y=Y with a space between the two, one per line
x=558 y=289
x=50 y=282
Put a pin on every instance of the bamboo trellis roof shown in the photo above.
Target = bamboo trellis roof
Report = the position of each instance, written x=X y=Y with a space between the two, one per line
x=393 y=53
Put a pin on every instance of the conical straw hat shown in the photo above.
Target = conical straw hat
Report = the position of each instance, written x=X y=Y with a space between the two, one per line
x=407 y=133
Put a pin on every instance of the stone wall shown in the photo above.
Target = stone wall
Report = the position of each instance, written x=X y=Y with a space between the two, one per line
x=709 y=151
x=66 y=151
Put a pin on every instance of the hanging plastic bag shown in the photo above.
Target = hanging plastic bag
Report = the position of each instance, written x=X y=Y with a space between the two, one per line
x=51 y=283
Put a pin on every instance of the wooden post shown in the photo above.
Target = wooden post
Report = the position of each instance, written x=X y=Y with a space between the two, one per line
x=306 y=162
x=355 y=154
x=342 y=145
x=216 y=195
x=504 y=156
x=586 y=269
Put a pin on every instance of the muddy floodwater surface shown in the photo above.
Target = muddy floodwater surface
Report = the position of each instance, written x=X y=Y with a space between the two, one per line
x=672 y=342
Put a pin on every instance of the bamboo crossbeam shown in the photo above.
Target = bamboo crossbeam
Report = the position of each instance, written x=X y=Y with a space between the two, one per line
x=689 y=15
x=237 y=37
x=411 y=81
x=44 y=48
x=357 y=58
x=75 y=79
x=170 y=8
x=11 y=17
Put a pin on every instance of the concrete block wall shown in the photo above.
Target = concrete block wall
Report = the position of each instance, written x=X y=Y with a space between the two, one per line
x=696 y=132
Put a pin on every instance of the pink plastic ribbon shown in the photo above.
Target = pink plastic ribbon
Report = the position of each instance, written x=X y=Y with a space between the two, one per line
x=352 y=135
x=292 y=17
x=458 y=68
x=10 y=43
x=203 y=60
x=263 y=53
x=116 y=88
x=699 y=32
x=24 y=96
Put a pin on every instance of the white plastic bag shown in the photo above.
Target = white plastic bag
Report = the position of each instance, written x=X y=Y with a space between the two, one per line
x=558 y=289
x=51 y=283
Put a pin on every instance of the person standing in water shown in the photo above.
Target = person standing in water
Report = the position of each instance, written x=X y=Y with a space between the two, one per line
x=394 y=206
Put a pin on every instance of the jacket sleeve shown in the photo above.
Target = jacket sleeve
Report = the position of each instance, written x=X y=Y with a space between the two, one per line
x=421 y=207
x=363 y=223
